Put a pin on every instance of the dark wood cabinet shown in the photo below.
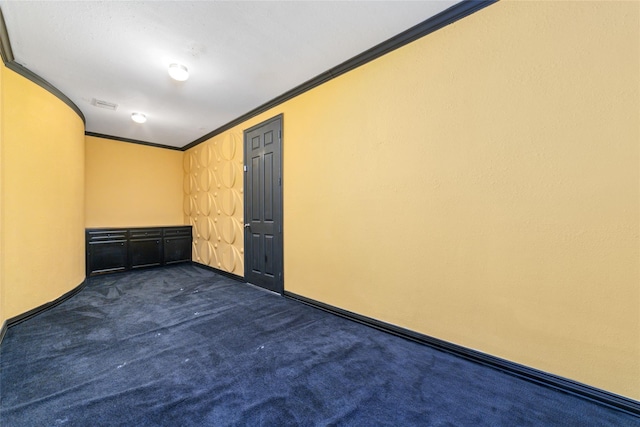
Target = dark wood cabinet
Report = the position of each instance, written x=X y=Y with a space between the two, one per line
x=177 y=245
x=111 y=250
x=108 y=250
x=145 y=247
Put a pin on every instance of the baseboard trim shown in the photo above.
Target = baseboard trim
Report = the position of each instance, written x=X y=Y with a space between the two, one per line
x=44 y=307
x=220 y=272
x=3 y=331
x=555 y=382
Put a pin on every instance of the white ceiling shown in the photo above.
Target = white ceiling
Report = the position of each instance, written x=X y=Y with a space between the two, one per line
x=240 y=54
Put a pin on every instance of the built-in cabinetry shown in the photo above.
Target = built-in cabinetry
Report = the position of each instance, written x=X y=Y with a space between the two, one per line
x=177 y=245
x=119 y=249
x=145 y=247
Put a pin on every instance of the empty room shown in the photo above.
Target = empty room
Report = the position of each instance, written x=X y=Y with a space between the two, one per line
x=320 y=213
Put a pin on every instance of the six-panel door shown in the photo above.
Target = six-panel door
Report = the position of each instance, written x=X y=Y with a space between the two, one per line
x=263 y=205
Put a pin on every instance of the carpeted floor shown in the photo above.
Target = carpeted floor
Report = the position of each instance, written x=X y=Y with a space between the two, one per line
x=183 y=346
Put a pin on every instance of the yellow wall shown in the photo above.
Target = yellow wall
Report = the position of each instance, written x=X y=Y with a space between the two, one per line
x=42 y=196
x=132 y=184
x=2 y=315
x=481 y=186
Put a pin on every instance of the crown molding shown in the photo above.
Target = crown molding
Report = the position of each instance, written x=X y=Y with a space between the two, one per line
x=132 y=141
x=5 y=47
x=10 y=62
x=447 y=17
x=444 y=18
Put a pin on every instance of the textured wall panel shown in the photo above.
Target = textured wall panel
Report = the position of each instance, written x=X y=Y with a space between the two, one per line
x=213 y=202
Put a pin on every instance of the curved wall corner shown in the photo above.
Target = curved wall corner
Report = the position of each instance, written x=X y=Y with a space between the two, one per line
x=42 y=196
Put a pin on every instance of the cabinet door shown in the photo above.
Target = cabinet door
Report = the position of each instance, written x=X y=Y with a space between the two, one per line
x=177 y=249
x=107 y=250
x=146 y=252
x=107 y=256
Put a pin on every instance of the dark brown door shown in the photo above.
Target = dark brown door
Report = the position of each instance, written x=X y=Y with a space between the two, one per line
x=263 y=252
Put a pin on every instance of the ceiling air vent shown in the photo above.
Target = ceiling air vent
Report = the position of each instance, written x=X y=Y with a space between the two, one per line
x=104 y=104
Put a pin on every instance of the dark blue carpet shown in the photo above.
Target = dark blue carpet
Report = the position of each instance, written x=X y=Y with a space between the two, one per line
x=183 y=346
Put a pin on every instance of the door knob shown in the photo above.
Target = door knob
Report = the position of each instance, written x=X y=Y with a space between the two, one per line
x=247 y=225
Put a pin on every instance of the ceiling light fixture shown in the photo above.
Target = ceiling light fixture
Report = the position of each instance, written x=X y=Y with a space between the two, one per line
x=138 y=117
x=178 y=72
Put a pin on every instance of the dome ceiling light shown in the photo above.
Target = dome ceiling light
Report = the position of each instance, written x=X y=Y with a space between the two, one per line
x=178 y=72
x=138 y=117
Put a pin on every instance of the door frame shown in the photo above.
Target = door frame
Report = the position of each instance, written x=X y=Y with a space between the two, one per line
x=279 y=222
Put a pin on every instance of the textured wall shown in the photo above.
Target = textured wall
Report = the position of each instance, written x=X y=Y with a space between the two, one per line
x=213 y=185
